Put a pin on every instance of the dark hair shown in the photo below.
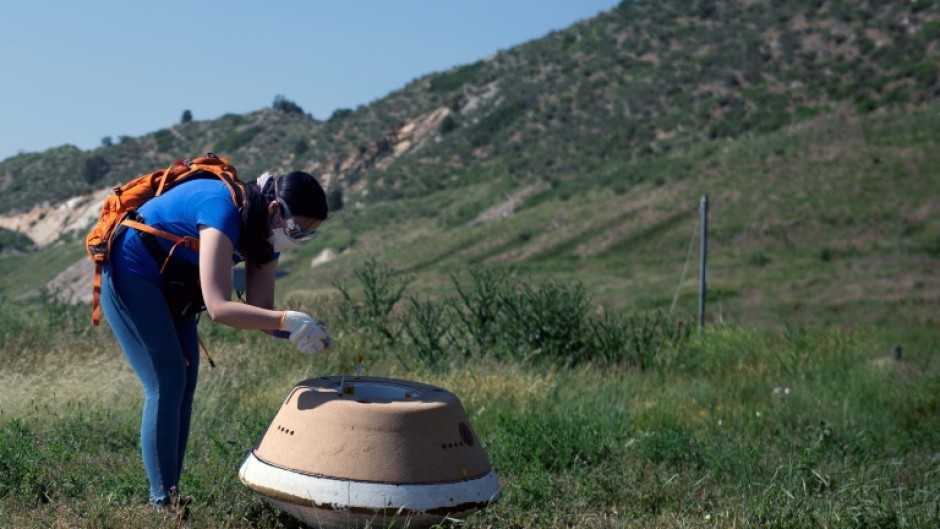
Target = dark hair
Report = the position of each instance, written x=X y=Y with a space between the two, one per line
x=302 y=193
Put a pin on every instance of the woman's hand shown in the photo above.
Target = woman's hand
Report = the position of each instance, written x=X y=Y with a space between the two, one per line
x=307 y=335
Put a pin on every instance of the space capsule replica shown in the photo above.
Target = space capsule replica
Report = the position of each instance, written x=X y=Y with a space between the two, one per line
x=352 y=452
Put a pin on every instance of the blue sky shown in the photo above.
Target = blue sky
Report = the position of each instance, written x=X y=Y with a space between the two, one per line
x=76 y=72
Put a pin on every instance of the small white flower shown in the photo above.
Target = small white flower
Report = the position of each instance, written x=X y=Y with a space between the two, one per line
x=757 y=413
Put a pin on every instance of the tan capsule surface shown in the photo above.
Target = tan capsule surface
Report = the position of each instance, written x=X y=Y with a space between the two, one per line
x=373 y=429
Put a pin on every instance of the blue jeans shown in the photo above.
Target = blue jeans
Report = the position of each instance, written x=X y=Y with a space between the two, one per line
x=156 y=344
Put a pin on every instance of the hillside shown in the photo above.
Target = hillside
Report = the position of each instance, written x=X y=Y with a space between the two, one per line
x=582 y=155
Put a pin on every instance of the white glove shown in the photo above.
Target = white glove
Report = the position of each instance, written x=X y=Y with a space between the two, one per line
x=307 y=335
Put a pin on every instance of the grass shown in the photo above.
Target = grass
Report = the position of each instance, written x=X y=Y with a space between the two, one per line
x=598 y=407
x=794 y=427
x=26 y=273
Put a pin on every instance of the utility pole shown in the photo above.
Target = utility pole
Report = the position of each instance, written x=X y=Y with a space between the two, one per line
x=703 y=253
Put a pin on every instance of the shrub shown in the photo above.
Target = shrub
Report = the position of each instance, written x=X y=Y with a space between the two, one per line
x=448 y=124
x=334 y=199
x=164 y=139
x=547 y=321
x=14 y=240
x=382 y=289
x=478 y=306
x=926 y=74
x=282 y=104
x=427 y=325
x=455 y=79
x=96 y=168
x=301 y=147
x=636 y=339
x=235 y=139
x=340 y=113
x=484 y=131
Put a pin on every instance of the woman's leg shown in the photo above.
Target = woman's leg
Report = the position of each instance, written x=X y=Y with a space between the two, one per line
x=147 y=333
x=189 y=344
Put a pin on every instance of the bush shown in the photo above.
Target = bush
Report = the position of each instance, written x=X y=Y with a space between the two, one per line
x=428 y=326
x=14 y=240
x=340 y=113
x=164 y=139
x=926 y=74
x=549 y=322
x=334 y=199
x=478 y=306
x=301 y=147
x=455 y=79
x=382 y=290
x=448 y=124
x=483 y=132
x=235 y=139
x=636 y=339
x=282 y=104
x=95 y=169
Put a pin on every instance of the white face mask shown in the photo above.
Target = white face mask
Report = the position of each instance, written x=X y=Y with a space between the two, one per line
x=280 y=240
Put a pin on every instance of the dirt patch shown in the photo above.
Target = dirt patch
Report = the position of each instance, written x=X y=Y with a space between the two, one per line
x=327 y=255
x=73 y=284
x=44 y=224
x=509 y=206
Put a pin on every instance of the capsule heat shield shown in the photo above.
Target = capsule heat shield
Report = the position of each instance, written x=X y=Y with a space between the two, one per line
x=344 y=451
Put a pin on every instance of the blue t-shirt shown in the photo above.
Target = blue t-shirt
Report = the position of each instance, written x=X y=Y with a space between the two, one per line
x=180 y=211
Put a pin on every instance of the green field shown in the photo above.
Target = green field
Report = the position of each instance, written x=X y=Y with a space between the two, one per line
x=598 y=406
x=738 y=427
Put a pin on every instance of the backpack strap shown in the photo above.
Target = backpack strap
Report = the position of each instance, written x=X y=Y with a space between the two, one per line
x=190 y=243
x=96 y=293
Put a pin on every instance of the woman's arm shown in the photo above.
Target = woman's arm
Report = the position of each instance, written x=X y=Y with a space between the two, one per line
x=259 y=284
x=215 y=274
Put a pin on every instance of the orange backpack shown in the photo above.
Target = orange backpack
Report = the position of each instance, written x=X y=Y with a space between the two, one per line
x=129 y=197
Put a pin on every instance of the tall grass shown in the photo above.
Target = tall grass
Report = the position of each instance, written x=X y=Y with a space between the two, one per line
x=635 y=422
x=491 y=315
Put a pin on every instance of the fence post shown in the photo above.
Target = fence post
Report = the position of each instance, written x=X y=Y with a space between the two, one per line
x=703 y=253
